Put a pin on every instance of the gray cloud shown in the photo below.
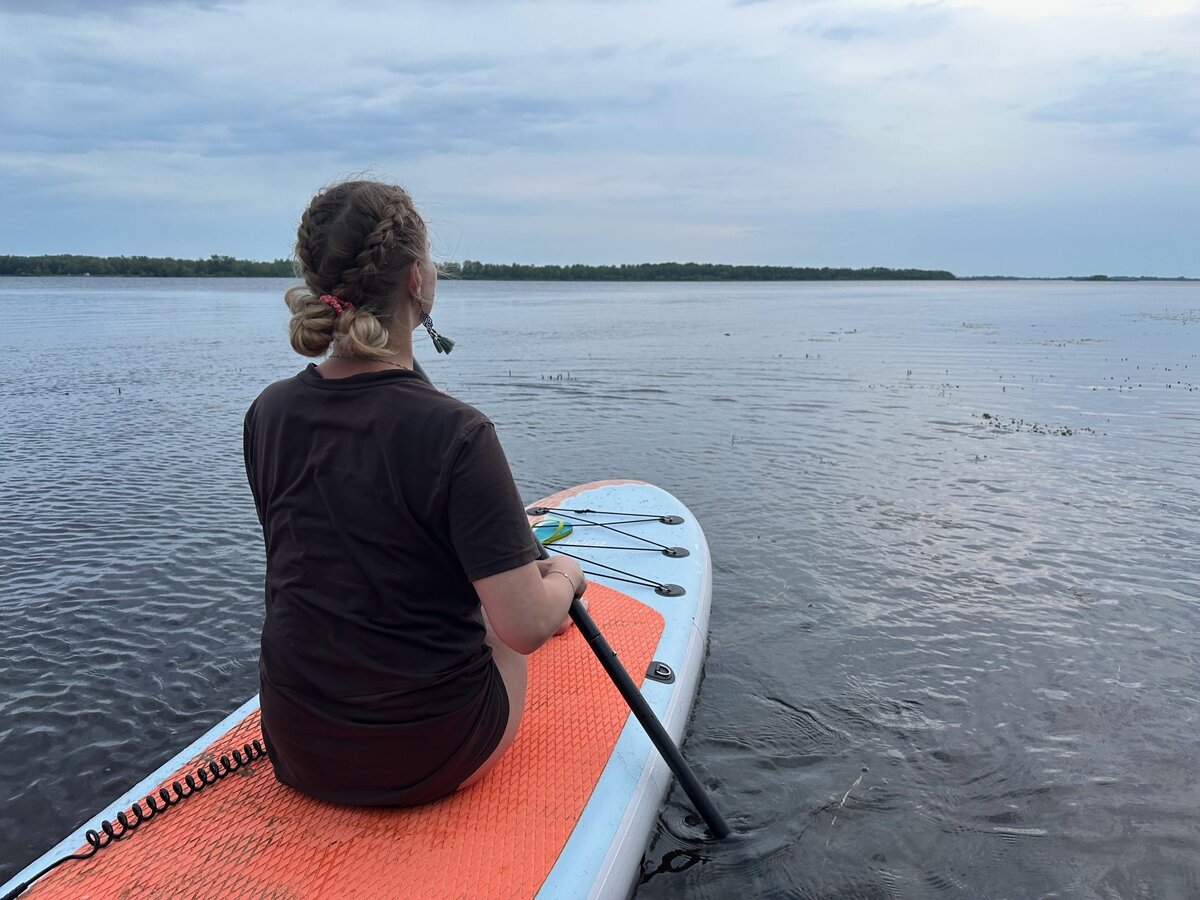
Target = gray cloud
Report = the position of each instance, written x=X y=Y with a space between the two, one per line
x=780 y=2
x=86 y=101
x=847 y=32
x=1140 y=106
x=104 y=8
x=914 y=21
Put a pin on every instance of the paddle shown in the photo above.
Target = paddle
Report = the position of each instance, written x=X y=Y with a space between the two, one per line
x=640 y=708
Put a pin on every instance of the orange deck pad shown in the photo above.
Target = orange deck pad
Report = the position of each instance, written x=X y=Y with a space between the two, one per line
x=249 y=836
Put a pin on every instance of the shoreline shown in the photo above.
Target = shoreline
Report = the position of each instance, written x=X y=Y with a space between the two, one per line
x=216 y=266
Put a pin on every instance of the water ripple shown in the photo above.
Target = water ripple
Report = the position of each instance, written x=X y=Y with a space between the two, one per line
x=950 y=655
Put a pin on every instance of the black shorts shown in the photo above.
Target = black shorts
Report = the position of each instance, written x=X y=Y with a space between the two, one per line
x=359 y=764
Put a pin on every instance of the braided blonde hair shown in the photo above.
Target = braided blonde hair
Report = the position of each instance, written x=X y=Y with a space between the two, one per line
x=356 y=242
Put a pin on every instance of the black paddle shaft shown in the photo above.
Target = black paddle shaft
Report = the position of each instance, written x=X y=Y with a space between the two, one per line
x=654 y=728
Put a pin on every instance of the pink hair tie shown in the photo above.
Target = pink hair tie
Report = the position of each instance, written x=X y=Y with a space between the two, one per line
x=335 y=304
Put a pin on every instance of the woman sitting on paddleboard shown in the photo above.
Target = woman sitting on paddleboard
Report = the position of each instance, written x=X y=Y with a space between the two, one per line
x=403 y=586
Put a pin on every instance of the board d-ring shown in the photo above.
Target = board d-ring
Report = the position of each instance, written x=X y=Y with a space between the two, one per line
x=660 y=671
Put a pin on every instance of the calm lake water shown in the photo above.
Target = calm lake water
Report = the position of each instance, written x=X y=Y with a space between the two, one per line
x=955 y=527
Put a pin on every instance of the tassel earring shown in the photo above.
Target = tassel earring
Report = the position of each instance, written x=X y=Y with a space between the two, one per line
x=440 y=344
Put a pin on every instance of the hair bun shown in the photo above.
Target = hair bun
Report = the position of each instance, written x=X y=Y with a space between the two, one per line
x=311 y=328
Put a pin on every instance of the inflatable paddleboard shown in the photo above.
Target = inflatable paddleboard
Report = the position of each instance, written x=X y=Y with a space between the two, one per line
x=567 y=813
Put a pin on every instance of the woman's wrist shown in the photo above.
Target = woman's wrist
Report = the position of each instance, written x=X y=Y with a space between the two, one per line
x=570 y=581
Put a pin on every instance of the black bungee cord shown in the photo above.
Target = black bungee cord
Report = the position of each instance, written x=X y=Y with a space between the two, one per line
x=577 y=521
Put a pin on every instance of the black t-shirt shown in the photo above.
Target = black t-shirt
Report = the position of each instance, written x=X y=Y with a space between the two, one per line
x=381 y=500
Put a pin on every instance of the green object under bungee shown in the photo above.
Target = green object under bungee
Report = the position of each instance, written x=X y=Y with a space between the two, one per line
x=550 y=530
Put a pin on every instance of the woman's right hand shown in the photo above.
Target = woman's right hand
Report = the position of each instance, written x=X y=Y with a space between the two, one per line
x=568 y=621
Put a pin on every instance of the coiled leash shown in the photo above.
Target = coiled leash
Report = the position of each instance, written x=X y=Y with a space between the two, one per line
x=125 y=824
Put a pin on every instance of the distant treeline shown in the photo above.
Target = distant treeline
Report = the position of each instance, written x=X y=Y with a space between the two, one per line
x=137 y=266
x=473 y=270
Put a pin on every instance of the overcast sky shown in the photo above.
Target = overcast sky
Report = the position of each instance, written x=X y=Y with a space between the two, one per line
x=1020 y=137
